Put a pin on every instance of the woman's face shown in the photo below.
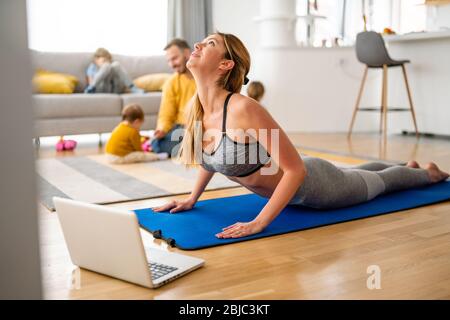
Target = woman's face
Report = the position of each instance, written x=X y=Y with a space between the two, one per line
x=208 y=56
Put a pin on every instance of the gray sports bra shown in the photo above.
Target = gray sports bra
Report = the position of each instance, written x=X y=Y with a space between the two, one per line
x=233 y=158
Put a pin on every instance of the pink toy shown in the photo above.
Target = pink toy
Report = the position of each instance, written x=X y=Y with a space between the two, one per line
x=146 y=146
x=69 y=144
x=60 y=146
x=66 y=145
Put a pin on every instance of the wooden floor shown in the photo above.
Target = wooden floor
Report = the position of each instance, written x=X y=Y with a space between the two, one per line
x=411 y=248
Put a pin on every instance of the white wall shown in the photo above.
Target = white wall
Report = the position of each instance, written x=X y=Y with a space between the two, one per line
x=314 y=90
x=236 y=17
x=429 y=79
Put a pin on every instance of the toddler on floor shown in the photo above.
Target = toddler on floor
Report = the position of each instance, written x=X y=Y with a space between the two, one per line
x=124 y=145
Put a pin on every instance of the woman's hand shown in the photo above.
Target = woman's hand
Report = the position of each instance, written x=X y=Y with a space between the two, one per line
x=176 y=206
x=241 y=229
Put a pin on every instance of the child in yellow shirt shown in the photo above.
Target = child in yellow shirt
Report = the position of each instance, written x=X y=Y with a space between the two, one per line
x=124 y=145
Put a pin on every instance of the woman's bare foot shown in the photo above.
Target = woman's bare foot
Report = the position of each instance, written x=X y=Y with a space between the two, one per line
x=413 y=164
x=436 y=175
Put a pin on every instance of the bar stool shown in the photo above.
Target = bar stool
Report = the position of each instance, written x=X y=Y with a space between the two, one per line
x=371 y=50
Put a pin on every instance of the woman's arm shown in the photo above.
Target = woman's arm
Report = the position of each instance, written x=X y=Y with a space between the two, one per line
x=204 y=176
x=290 y=162
x=284 y=154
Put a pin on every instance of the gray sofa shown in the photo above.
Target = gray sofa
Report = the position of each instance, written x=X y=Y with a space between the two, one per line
x=80 y=113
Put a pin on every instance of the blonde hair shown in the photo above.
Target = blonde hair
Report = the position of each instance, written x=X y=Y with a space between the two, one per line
x=231 y=81
x=103 y=53
x=255 y=90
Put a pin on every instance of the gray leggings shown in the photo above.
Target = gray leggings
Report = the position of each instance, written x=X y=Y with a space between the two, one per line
x=327 y=186
x=111 y=78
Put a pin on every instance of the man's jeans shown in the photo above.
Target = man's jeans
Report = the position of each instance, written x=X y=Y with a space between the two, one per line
x=170 y=143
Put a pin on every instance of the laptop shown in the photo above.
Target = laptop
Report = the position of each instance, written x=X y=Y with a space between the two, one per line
x=108 y=241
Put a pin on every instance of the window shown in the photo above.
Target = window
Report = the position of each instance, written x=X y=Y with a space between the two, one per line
x=342 y=19
x=323 y=18
x=412 y=16
x=135 y=27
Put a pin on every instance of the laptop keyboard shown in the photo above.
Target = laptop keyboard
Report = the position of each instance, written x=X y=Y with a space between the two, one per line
x=158 y=270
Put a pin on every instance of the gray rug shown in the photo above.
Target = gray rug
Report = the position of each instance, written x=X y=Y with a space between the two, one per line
x=92 y=179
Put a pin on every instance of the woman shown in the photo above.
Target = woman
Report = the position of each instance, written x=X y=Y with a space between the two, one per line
x=220 y=65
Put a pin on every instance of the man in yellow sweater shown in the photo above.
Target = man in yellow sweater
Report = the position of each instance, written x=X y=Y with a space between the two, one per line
x=177 y=92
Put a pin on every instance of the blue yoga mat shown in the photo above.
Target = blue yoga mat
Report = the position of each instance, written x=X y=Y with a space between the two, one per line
x=196 y=228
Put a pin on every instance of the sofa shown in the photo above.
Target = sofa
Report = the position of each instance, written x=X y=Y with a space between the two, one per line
x=80 y=113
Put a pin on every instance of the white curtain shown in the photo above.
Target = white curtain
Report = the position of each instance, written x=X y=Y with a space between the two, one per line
x=190 y=20
x=135 y=27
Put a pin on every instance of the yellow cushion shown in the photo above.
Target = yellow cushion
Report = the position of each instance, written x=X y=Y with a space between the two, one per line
x=152 y=82
x=53 y=82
